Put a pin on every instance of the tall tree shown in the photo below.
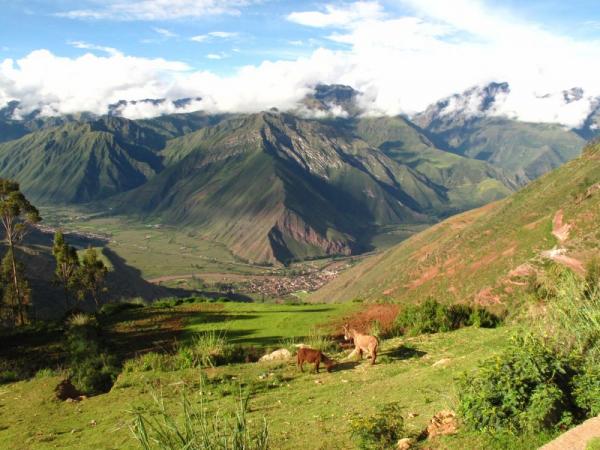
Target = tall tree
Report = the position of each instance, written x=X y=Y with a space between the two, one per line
x=16 y=299
x=67 y=265
x=16 y=213
x=92 y=275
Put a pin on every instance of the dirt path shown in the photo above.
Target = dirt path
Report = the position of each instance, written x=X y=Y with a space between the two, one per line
x=576 y=438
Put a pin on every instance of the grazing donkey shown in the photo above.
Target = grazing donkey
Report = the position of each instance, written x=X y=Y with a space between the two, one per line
x=311 y=355
x=362 y=342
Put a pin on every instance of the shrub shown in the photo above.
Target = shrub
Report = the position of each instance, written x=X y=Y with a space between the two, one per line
x=432 y=317
x=151 y=361
x=379 y=431
x=210 y=349
x=587 y=389
x=199 y=429
x=110 y=309
x=526 y=388
x=91 y=370
x=95 y=375
x=320 y=341
x=8 y=376
x=45 y=373
x=82 y=320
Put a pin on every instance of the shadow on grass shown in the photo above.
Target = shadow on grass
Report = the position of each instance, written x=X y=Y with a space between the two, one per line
x=403 y=352
x=345 y=365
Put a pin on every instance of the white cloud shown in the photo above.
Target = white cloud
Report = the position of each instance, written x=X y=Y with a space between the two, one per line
x=401 y=64
x=216 y=55
x=59 y=85
x=157 y=9
x=87 y=46
x=165 y=33
x=339 y=16
x=214 y=35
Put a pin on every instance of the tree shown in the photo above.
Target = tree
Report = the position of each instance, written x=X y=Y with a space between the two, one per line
x=16 y=213
x=17 y=299
x=67 y=265
x=91 y=276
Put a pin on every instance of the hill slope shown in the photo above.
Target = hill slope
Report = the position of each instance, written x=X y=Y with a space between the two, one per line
x=80 y=162
x=483 y=254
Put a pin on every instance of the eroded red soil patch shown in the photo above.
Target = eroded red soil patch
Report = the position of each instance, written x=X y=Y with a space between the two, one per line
x=560 y=230
x=426 y=275
x=361 y=321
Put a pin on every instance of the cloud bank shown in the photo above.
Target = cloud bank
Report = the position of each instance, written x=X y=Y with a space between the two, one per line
x=400 y=64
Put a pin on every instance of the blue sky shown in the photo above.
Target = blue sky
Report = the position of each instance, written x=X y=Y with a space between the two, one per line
x=245 y=55
x=261 y=29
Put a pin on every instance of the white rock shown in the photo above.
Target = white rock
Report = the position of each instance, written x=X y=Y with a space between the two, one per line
x=278 y=355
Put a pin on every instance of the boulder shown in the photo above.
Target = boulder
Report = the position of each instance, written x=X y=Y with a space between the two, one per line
x=283 y=354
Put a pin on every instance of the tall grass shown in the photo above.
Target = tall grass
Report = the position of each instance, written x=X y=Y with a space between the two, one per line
x=572 y=322
x=210 y=349
x=198 y=429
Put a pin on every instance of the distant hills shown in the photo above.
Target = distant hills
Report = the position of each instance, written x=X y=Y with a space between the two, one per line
x=486 y=254
x=320 y=180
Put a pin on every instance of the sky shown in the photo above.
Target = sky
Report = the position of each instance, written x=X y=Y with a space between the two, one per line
x=65 y=56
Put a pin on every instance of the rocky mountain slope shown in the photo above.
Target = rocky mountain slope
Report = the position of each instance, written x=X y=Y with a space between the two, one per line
x=485 y=254
x=468 y=124
x=275 y=187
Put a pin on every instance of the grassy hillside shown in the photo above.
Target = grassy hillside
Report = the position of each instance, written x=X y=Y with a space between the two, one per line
x=290 y=400
x=481 y=255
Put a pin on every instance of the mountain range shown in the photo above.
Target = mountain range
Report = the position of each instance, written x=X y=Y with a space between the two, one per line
x=275 y=186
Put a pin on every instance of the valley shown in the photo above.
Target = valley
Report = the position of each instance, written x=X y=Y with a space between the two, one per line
x=183 y=260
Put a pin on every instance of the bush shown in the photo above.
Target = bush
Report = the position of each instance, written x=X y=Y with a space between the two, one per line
x=199 y=430
x=526 y=388
x=91 y=370
x=45 y=373
x=320 y=341
x=379 y=431
x=433 y=317
x=151 y=361
x=94 y=375
x=110 y=309
x=8 y=376
x=587 y=389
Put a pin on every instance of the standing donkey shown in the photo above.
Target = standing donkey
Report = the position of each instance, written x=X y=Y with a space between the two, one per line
x=362 y=342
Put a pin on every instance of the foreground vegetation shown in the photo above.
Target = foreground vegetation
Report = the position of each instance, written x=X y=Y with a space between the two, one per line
x=513 y=386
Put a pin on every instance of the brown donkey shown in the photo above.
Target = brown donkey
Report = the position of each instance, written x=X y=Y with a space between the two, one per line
x=311 y=356
x=362 y=342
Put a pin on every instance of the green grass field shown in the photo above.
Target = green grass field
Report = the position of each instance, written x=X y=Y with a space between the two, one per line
x=267 y=324
x=292 y=402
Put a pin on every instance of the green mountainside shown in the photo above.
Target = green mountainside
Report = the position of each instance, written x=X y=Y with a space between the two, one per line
x=82 y=162
x=485 y=254
x=470 y=182
x=275 y=187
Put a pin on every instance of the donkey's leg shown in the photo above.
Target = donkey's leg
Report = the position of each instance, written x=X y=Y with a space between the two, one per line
x=373 y=355
x=317 y=366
